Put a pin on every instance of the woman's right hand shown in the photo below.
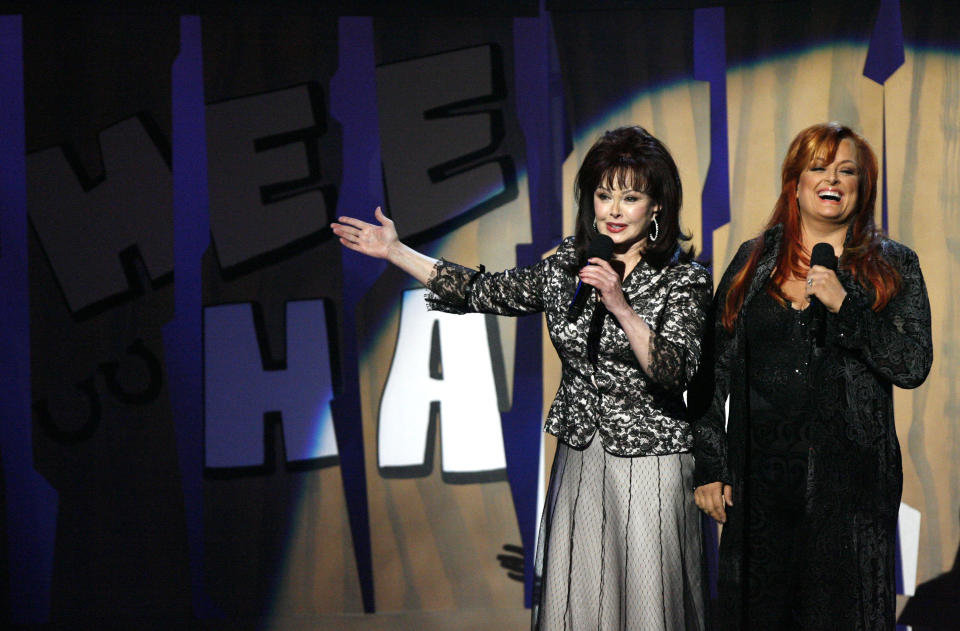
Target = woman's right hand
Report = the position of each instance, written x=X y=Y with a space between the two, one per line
x=713 y=499
x=367 y=238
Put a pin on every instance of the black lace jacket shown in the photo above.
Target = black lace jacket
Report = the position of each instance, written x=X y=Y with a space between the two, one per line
x=634 y=413
x=854 y=472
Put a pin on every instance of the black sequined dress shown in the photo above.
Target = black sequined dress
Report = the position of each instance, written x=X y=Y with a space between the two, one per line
x=780 y=426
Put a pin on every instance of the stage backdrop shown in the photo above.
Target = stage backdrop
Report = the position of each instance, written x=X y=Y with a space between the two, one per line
x=215 y=417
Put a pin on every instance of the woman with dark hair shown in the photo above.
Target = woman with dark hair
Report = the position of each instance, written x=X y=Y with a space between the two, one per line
x=807 y=475
x=619 y=544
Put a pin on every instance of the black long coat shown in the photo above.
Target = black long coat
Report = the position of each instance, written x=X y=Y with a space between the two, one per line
x=855 y=475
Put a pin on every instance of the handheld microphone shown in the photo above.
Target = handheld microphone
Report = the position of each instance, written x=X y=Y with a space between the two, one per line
x=822 y=254
x=601 y=247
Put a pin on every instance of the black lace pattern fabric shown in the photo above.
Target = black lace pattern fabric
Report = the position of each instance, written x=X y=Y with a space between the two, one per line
x=843 y=527
x=633 y=413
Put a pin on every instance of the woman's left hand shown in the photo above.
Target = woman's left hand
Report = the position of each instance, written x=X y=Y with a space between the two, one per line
x=606 y=280
x=823 y=283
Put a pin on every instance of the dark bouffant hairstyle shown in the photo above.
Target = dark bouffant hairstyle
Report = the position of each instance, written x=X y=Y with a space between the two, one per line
x=631 y=156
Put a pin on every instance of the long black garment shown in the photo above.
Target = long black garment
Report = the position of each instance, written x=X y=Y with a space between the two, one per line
x=781 y=420
x=853 y=479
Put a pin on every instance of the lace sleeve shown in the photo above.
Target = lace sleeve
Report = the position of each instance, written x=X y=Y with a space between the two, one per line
x=675 y=344
x=517 y=291
x=449 y=286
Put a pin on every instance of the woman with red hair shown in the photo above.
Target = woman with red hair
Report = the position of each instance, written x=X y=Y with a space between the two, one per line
x=807 y=475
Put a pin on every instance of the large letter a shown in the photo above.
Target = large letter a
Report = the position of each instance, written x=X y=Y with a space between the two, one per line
x=441 y=368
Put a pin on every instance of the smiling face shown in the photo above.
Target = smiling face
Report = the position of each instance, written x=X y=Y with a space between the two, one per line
x=827 y=193
x=623 y=214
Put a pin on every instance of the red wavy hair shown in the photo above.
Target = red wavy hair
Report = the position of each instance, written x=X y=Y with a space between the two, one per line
x=861 y=254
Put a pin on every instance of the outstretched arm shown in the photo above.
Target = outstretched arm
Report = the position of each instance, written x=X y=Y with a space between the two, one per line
x=453 y=288
x=382 y=242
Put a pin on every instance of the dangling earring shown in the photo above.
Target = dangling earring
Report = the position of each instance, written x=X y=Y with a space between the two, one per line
x=654 y=232
x=595 y=224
